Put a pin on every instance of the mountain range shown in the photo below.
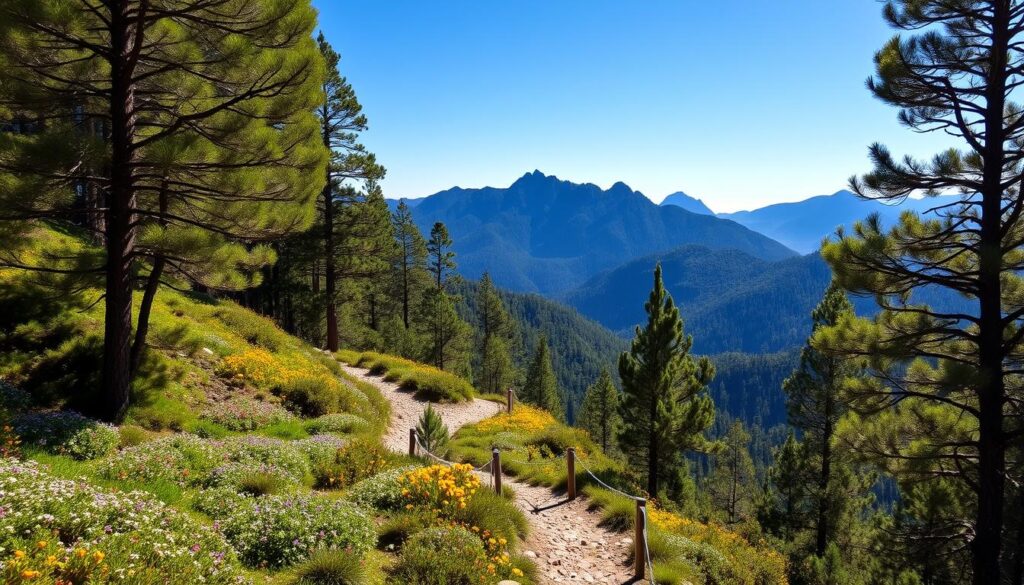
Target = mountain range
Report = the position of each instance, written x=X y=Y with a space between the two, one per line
x=545 y=235
x=801 y=225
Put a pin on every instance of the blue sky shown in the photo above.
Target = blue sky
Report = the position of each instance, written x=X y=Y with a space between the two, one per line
x=741 y=102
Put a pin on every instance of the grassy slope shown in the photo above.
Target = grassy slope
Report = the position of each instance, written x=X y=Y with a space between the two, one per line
x=216 y=370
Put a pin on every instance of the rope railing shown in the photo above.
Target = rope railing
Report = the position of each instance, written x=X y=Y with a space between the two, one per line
x=641 y=520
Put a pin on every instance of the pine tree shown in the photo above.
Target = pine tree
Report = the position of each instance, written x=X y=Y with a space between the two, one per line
x=541 y=386
x=432 y=432
x=209 y=138
x=446 y=336
x=665 y=404
x=496 y=333
x=442 y=259
x=786 y=506
x=599 y=413
x=946 y=378
x=815 y=407
x=410 y=262
x=341 y=120
x=732 y=483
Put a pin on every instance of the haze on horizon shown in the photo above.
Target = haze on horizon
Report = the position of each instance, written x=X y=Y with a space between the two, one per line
x=739 y=105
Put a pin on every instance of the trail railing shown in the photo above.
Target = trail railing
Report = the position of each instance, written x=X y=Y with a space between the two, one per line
x=642 y=566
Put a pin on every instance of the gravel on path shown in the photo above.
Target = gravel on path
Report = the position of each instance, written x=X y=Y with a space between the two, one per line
x=566 y=540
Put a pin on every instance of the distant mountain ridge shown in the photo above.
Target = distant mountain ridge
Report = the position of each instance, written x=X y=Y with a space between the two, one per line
x=802 y=225
x=546 y=235
x=730 y=301
x=691 y=204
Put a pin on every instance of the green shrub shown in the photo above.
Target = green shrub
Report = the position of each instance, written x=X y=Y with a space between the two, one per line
x=321 y=450
x=310 y=396
x=397 y=529
x=380 y=492
x=291 y=430
x=254 y=480
x=331 y=567
x=217 y=502
x=428 y=382
x=436 y=556
x=184 y=458
x=278 y=531
x=342 y=423
x=497 y=514
x=132 y=435
x=207 y=429
x=66 y=433
x=432 y=432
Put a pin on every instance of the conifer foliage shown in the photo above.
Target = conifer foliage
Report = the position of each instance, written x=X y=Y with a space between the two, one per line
x=599 y=412
x=946 y=403
x=180 y=134
x=665 y=403
x=541 y=386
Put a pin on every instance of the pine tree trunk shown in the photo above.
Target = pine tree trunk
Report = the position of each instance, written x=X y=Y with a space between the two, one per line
x=145 y=308
x=986 y=548
x=652 y=450
x=120 y=244
x=330 y=274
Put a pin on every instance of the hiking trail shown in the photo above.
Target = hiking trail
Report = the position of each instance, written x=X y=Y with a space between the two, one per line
x=566 y=540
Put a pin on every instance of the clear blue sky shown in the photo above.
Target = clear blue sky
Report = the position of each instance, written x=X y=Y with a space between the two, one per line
x=741 y=103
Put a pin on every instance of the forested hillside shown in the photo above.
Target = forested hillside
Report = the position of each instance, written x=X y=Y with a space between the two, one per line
x=731 y=302
x=545 y=235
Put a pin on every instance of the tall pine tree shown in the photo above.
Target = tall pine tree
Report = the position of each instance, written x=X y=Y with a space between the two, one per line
x=341 y=120
x=497 y=331
x=599 y=412
x=732 y=484
x=665 y=403
x=209 y=136
x=410 y=261
x=947 y=379
x=815 y=407
x=541 y=386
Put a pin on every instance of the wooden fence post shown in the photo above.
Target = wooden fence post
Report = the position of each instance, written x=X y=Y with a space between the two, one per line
x=496 y=469
x=509 y=398
x=412 y=442
x=570 y=461
x=639 y=542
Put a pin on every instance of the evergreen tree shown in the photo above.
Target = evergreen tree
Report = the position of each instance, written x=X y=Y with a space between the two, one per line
x=432 y=431
x=786 y=506
x=541 y=386
x=208 y=138
x=665 y=404
x=446 y=337
x=341 y=120
x=496 y=328
x=442 y=259
x=732 y=483
x=948 y=380
x=815 y=408
x=410 y=261
x=599 y=413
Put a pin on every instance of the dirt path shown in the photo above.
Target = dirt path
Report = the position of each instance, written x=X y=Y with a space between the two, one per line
x=565 y=540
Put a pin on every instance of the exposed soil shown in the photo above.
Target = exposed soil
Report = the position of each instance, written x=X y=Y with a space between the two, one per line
x=566 y=540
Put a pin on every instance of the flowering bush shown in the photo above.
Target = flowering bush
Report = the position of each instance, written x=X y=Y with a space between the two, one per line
x=721 y=555
x=183 y=458
x=242 y=476
x=46 y=560
x=450 y=555
x=523 y=419
x=189 y=459
x=441 y=488
x=67 y=433
x=277 y=531
x=321 y=450
x=244 y=413
x=255 y=451
x=380 y=492
x=337 y=423
x=137 y=538
x=355 y=462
